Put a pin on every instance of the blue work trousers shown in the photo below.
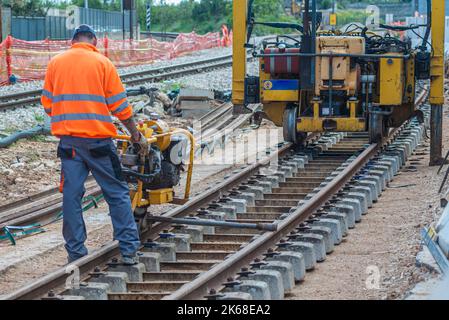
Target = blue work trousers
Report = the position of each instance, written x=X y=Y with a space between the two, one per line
x=79 y=156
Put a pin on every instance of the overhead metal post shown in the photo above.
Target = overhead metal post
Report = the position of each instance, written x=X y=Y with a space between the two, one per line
x=1 y=23
x=122 y=9
x=239 y=12
x=436 y=97
x=131 y=11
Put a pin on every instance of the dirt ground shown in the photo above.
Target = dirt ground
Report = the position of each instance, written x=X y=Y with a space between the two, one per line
x=386 y=241
x=28 y=167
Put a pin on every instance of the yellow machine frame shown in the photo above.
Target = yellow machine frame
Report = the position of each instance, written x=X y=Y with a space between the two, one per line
x=396 y=84
x=143 y=198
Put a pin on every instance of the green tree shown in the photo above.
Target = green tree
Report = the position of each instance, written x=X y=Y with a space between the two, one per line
x=28 y=7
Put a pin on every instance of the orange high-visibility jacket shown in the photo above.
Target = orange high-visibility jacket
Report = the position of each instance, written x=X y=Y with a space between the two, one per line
x=82 y=89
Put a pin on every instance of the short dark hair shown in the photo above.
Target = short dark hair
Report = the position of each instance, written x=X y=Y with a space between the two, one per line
x=84 y=34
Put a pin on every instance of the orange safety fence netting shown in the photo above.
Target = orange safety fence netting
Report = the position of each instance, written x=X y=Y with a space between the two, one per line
x=27 y=60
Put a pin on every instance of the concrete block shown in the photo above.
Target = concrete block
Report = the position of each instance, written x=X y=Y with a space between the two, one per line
x=292 y=164
x=363 y=190
x=182 y=241
x=257 y=289
x=266 y=185
x=333 y=225
x=257 y=191
x=361 y=198
x=91 y=291
x=280 y=175
x=389 y=165
x=369 y=184
x=318 y=243
x=134 y=272
x=195 y=232
x=356 y=207
x=151 y=260
x=393 y=161
x=274 y=180
x=348 y=210
x=196 y=94
x=234 y=296
x=219 y=214
x=166 y=250
x=306 y=249
x=116 y=280
x=300 y=162
x=382 y=176
x=326 y=233
x=53 y=296
x=228 y=210
x=272 y=278
x=296 y=259
x=239 y=204
x=285 y=269
x=386 y=169
x=288 y=170
x=67 y=297
x=376 y=177
x=248 y=197
x=342 y=219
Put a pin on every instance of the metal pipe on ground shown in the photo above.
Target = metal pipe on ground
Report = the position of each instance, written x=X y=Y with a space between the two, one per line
x=214 y=223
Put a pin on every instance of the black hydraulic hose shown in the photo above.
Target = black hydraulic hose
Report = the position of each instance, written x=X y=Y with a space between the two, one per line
x=429 y=25
x=401 y=28
x=150 y=177
x=249 y=21
x=38 y=130
x=281 y=25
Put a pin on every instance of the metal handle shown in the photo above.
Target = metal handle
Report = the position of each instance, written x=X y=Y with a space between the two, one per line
x=214 y=223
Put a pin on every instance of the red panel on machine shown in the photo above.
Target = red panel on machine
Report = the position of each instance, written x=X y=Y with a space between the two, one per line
x=281 y=65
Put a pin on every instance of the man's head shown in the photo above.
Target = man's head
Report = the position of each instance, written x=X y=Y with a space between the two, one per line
x=84 y=33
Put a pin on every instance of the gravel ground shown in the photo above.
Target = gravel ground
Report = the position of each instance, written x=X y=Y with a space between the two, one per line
x=28 y=167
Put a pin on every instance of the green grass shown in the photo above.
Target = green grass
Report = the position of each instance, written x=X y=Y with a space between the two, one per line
x=39 y=117
x=38 y=138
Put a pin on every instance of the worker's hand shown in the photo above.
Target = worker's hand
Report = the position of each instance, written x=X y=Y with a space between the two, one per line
x=136 y=136
x=140 y=143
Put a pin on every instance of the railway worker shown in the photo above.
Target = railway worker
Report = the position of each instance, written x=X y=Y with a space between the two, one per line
x=82 y=90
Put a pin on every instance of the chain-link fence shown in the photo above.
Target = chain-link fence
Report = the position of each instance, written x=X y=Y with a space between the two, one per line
x=59 y=25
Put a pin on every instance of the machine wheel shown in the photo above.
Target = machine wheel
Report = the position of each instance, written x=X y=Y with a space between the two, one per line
x=289 y=127
x=139 y=217
x=377 y=127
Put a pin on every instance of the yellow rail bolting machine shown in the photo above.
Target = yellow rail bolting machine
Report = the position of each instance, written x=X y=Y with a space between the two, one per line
x=153 y=173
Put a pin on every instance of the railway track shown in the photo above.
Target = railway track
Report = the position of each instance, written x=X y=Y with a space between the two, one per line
x=207 y=260
x=313 y=196
x=19 y=99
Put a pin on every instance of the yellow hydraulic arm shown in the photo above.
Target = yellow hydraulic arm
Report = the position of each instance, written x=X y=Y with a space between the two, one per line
x=436 y=97
x=240 y=8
